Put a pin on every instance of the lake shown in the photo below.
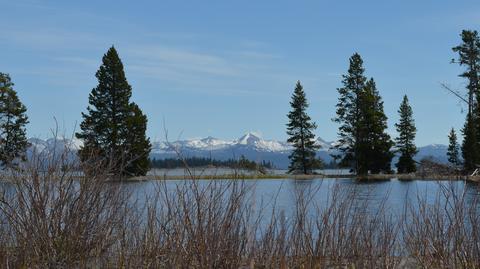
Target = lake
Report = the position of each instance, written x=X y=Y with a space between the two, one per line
x=394 y=194
x=370 y=226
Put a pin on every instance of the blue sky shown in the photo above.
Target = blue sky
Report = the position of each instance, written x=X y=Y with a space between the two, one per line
x=223 y=68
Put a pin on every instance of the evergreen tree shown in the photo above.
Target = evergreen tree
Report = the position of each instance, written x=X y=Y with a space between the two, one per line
x=453 y=149
x=13 y=138
x=405 y=140
x=138 y=144
x=300 y=130
x=113 y=129
x=470 y=151
x=348 y=115
x=469 y=56
x=375 y=143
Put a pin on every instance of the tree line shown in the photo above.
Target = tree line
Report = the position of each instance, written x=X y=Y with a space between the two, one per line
x=242 y=162
x=113 y=129
x=364 y=145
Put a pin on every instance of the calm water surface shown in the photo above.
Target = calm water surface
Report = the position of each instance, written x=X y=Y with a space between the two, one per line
x=393 y=193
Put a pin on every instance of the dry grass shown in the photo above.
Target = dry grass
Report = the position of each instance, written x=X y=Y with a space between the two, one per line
x=52 y=219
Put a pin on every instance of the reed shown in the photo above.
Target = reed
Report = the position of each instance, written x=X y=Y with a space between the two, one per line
x=51 y=217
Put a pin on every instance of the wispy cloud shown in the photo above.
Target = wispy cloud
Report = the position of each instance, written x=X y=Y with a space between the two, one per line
x=446 y=20
x=258 y=55
x=182 y=60
x=49 y=39
x=87 y=62
x=184 y=66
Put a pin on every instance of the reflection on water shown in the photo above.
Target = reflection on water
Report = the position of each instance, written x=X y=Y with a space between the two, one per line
x=394 y=194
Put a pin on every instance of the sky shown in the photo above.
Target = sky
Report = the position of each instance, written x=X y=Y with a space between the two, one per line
x=224 y=68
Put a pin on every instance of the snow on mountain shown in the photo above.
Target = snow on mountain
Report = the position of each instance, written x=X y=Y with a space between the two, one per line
x=251 y=145
x=249 y=140
x=208 y=143
x=255 y=141
x=54 y=144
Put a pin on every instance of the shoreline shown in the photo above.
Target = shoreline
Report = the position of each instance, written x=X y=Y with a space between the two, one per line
x=376 y=177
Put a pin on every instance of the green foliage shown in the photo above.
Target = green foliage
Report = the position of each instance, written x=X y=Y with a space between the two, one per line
x=113 y=129
x=364 y=143
x=348 y=114
x=453 y=149
x=137 y=145
x=13 y=139
x=300 y=131
x=469 y=56
x=470 y=151
x=406 y=136
x=375 y=143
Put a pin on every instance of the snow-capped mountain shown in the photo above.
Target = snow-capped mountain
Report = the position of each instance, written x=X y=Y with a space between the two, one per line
x=54 y=148
x=251 y=145
x=38 y=145
x=249 y=140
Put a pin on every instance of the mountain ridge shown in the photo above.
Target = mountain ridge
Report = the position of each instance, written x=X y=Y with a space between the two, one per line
x=250 y=145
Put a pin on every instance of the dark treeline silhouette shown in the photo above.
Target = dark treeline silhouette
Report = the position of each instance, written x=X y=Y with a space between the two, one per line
x=204 y=162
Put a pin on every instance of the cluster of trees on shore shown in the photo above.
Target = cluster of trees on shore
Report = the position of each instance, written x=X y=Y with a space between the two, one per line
x=113 y=129
x=364 y=144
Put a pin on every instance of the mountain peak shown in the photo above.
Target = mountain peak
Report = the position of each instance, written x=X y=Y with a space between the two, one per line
x=249 y=138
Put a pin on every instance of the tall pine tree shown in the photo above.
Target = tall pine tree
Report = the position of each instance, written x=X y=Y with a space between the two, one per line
x=469 y=56
x=348 y=115
x=300 y=131
x=13 y=118
x=364 y=143
x=453 y=149
x=406 y=138
x=376 y=144
x=113 y=129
